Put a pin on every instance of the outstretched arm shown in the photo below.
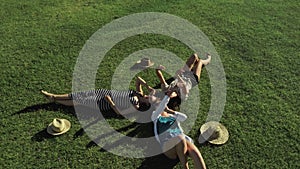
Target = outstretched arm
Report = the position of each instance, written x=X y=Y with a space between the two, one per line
x=131 y=109
x=179 y=116
x=160 y=75
x=170 y=111
x=141 y=82
x=112 y=104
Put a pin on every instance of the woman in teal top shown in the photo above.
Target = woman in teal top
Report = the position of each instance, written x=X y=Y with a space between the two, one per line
x=174 y=143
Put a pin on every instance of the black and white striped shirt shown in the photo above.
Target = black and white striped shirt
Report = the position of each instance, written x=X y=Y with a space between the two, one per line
x=96 y=98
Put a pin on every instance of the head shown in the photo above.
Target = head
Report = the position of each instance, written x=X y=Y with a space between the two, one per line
x=175 y=99
x=145 y=101
x=144 y=106
x=174 y=103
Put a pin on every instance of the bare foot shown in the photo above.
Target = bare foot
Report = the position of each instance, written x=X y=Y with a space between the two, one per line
x=206 y=61
x=49 y=96
x=161 y=67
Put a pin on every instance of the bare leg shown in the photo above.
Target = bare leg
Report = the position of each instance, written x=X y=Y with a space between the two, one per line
x=181 y=150
x=196 y=156
x=198 y=66
x=177 y=147
x=190 y=62
x=206 y=61
x=63 y=99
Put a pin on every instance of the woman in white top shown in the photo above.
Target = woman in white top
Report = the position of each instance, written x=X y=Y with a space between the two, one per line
x=186 y=77
x=175 y=144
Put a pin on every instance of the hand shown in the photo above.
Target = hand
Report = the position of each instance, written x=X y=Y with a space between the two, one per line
x=180 y=80
x=152 y=91
x=179 y=72
x=161 y=67
x=171 y=92
x=109 y=100
x=112 y=104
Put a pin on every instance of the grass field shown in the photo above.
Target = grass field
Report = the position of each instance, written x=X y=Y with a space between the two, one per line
x=258 y=42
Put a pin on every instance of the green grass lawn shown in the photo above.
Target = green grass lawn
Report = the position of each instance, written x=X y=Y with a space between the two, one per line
x=258 y=42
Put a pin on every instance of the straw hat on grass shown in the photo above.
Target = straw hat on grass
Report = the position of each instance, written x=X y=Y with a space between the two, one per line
x=213 y=132
x=142 y=64
x=58 y=126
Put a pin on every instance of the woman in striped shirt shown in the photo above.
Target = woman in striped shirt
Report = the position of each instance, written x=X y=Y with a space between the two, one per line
x=127 y=101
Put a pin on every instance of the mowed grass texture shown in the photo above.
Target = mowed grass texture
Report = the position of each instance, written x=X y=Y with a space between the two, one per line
x=258 y=43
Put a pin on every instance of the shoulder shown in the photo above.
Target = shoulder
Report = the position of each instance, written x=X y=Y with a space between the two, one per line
x=135 y=93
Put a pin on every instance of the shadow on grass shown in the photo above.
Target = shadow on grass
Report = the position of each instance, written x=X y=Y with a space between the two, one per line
x=158 y=162
x=48 y=107
x=66 y=110
x=154 y=162
x=140 y=130
x=41 y=136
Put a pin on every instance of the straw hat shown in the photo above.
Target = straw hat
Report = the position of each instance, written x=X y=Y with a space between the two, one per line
x=58 y=126
x=213 y=132
x=142 y=64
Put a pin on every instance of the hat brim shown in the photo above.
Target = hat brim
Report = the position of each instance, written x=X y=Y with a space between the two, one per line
x=138 y=65
x=67 y=128
x=223 y=135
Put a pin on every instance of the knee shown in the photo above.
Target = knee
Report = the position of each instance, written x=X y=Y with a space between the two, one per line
x=182 y=141
x=178 y=141
x=181 y=144
x=193 y=151
x=195 y=56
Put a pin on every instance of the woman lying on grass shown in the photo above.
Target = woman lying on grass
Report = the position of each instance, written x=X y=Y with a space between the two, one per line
x=186 y=77
x=128 y=101
x=174 y=143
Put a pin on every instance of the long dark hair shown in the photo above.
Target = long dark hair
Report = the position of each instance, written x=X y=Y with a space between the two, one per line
x=143 y=106
x=174 y=103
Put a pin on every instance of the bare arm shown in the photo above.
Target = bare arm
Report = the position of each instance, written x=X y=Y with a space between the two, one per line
x=160 y=108
x=112 y=104
x=129 y=110
x=179 y=116
x=141 y=82
x=160 y=75
x=170 y=111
